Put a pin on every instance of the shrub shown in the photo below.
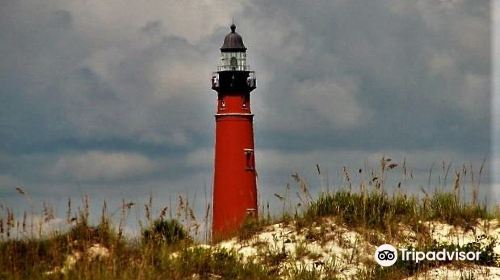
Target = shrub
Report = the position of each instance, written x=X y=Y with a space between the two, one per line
x=165 y=231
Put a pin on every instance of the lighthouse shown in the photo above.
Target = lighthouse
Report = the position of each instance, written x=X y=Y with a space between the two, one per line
x=235 y=188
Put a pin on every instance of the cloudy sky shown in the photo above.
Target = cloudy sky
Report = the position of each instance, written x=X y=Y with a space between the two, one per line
x=113 y=98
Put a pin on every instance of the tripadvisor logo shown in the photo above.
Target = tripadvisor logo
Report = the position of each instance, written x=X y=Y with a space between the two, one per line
x=387 y=255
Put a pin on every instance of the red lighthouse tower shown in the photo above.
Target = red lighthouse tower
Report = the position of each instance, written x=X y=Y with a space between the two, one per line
x=235 y=189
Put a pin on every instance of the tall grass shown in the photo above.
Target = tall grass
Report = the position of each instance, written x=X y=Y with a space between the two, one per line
x=164 y=249
x=380 y=210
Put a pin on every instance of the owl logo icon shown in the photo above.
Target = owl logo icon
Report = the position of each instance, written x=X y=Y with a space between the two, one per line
x=386 y=255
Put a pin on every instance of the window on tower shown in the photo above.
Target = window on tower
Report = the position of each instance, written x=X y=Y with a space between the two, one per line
x=234 y=63
x=249 y=159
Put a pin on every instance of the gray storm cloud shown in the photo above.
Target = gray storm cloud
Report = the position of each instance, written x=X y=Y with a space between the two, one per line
x=117 y=93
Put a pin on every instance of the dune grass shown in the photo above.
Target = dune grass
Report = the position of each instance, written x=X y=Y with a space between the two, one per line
x=381 y=211
x=165 y=250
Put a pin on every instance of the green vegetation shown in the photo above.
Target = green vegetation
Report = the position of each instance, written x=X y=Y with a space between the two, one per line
x=165 y=231
x=382 y=211
x=166 y=248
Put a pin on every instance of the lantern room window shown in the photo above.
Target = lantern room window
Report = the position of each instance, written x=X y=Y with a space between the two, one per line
x=233 y=61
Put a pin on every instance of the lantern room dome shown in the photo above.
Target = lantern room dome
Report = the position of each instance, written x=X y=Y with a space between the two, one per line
x=233 y=42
